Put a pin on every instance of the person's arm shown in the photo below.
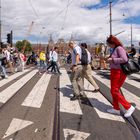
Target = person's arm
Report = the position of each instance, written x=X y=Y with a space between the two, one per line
x=77 y=58
x=74 y=67
x=76 y=52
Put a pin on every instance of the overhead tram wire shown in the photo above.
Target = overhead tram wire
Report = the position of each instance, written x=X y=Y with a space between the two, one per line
x=65 y=16
x=59 y=13
x=34 y=10
x=124 y=2
x=131 y=19
x=56 y=16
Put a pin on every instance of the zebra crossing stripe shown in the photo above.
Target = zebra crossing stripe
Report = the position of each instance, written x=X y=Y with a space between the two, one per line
x=100 y=104
x=36 y=96
x=133 y=82
x=65 y=93
x=12 y=77
x=128 y=95
x=136 y=75
x=6 y=94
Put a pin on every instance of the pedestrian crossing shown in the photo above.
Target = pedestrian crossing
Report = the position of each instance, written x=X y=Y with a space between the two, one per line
x=100 y=104
x=36 y=96
x=6 y=94
x=65 y=93
x=14 y=76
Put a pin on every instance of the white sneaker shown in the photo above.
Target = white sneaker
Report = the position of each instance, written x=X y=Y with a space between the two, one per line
x=6 y=76
x=113 y=111
x=129 y=112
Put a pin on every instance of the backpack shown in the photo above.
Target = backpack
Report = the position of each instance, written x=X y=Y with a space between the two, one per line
x=133 y=51
x=42 y=56
x=84 y=57
x=23 y=57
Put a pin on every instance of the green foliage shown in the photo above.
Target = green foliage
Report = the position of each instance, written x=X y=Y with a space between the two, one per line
x=24 y=44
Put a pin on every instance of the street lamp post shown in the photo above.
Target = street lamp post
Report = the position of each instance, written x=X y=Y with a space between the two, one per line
x=0 y=24
x=110 y=5
x=131 y=36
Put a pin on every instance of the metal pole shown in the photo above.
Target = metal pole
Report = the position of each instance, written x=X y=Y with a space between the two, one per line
x=110 y=21
x=0 y=24
x=110 y=5
x=131 y=36
x=119 y=33
x=11 y=38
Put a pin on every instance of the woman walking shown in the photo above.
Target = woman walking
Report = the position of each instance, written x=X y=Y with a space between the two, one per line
x=118 y=77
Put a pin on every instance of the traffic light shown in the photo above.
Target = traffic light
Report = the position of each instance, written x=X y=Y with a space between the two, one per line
x=9 y=38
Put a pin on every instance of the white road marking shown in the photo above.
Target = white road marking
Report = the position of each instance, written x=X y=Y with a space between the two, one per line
x=136 y=75
x=100 y=104
x=36 y=130
x=12 y=77
x=16 y=125
x=6 y=94
x=128 y=95
x=36 y=96
x=65 y=93
x=133 y=82
x=76 y=135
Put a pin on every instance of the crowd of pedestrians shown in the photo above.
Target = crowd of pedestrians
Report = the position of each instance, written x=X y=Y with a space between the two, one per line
x=12 y=59
x=80 y=71
x=79 y=60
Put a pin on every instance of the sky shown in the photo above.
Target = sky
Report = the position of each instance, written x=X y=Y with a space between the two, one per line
x=83 y=20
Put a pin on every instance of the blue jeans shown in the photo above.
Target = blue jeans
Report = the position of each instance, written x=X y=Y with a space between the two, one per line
x=55 y=67
x=43 y=66
x=2 y=70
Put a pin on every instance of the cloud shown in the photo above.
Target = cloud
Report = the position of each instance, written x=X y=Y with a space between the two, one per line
x=64 y=20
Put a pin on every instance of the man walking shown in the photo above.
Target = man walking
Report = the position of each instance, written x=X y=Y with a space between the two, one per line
x=54 y=61
x=87 y=69
x=76 y=75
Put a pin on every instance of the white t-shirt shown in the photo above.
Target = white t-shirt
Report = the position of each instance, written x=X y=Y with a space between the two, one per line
x=50 y=56
x=54 y=56
x=7 y=54
x=76 y=50
x=89 y=56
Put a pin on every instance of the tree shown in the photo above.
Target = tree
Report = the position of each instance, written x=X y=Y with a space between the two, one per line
x=24 y=45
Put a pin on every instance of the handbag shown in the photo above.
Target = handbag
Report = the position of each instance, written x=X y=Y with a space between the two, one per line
x=131 y=66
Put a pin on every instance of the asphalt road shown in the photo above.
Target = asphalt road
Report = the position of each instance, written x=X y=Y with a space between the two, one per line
x=38 y=107
x=28 y=123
